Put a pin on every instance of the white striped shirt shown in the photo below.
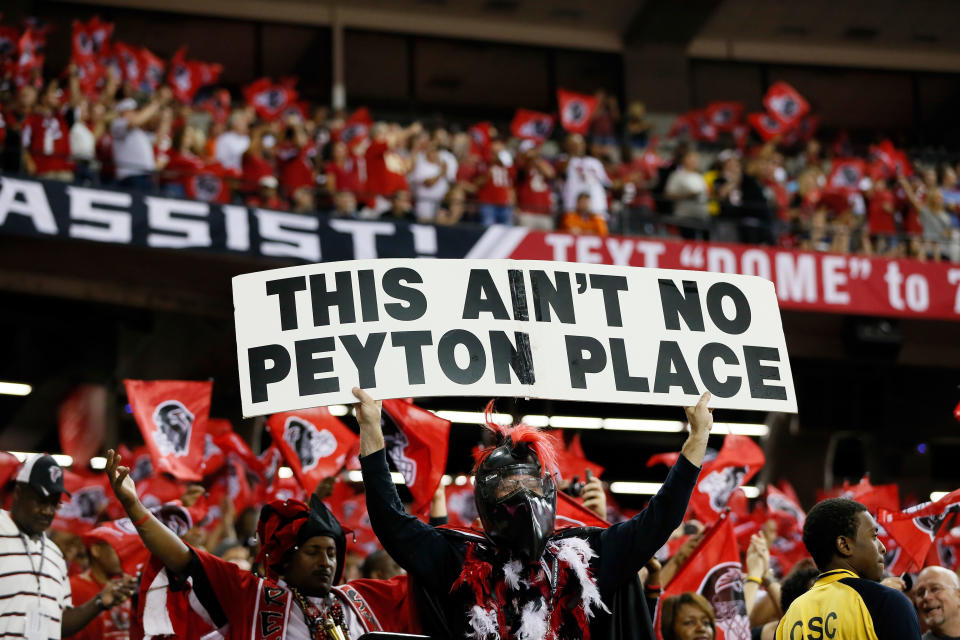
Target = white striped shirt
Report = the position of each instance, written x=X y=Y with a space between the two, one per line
x=22 y=589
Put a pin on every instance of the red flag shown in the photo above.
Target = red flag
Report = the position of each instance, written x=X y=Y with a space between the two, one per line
x=846 y=175
x=82 y=422
x=83 y=48
x=902 y=163
x=461 y=505
x=89 y=497
x=785 y=104
x=9 y=37
x=576 y=110
x=270 y=99
x=123 y=537
x=217 y=105
x=130 y=61
x=299 y=108
x=572 y=513
x=766 y=126
x=703 y=129
x=787 y=551
x=153 y=68
x=9 y=465
x=206 y=72
x=480 y=139
x=172 y=416
x=187 y=76
x=682 y=126
x=531 y=125
x=100 y=32
x=417 y=443
x=713 y=570
x=313 y=442
x=738 y=460
x=788 y=513
x=741 y=134
x=159 y=489
x=214 y=456
x=724 y=116
x=668 y=459
x=28 y=59
x=873 y=497
x=356 y=128
x=92 y=75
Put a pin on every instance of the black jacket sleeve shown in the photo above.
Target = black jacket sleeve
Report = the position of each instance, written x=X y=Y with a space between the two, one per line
x=625 y=547
x=421 y=550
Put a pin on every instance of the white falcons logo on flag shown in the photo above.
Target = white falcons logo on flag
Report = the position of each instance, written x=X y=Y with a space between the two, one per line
x=575 y=112
x=307 y=442
x=720 y=484
x=396 y=441
x=272 y=98
x=173 y=424
x=723 y=589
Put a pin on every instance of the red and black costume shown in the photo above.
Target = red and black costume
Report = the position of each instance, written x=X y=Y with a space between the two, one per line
x=520 y=578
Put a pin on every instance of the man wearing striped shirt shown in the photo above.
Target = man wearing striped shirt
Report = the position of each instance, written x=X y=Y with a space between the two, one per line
x=35 y=598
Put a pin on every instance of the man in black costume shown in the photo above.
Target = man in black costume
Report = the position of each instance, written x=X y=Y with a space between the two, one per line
x=519 y=578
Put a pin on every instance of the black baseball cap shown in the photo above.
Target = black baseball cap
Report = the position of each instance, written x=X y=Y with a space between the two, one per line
x=42 y=473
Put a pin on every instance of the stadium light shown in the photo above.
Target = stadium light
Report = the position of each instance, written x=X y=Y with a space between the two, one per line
x=15 y=389
x=536 y=421
x=355 y=475
x=99 y=463
x=446 y=480
x=936 y=495
x=634 y=424
x=285 y=472
x=650 y=488
x=61 y=459
x=473 y=417
x=338 y=410
x=575 y=422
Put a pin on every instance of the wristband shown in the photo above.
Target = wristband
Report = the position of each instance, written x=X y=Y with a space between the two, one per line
x=143 y=519
x=652 y=587
x=754 y=579
x=99 y=601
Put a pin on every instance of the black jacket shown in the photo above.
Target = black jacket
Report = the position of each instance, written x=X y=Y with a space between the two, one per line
x=434 y=557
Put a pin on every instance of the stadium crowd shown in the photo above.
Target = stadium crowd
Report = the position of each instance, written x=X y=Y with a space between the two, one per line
x=115 y=118
x=727 y=567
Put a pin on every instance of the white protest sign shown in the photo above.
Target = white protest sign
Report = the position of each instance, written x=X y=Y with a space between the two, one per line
x=307 y=335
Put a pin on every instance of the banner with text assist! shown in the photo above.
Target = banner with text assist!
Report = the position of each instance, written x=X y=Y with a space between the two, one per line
x=805 y=281
x=307 y=335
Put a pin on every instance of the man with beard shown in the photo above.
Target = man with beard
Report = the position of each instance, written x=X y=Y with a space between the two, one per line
x=518 y=577
x=937 y=596
x=35 y=597
x=301 y=553
x=847 y=600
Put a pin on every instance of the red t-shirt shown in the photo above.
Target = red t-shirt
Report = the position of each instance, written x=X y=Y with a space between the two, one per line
x=629 y=173
x=346 y=176
x=296 y=166
x=254 y=168
x=272 y=204
x=384 y=171
x=181 y=168
x=112 y=624
x=47 y=139
x=879 y=219
x=534 y=194
x=497 y=188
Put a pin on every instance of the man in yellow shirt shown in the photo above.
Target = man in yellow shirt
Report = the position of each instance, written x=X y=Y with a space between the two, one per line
x=847 y=601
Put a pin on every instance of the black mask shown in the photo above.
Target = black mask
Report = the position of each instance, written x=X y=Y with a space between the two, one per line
x=517 y=505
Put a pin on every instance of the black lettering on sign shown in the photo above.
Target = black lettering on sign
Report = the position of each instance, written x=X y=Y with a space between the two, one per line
x=308 y=366
x=365 y=356
x=705 y=364
x=270 y=623
x=831 y=632
x=611 y=286
x=758 y=374
x=546 y=297
x=621 y=369
x=815 y=624
x=446 y=350
x=415 y=306
x=585 y=354
x=369 y=310
x=678 y=305
x=412 y=343
x=518 y=295
x=505 y=357
x=260 y=374
x=741 y=317
x=340 y=297
x=672 y=370
x=483 y=297
x=285 y=289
